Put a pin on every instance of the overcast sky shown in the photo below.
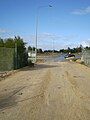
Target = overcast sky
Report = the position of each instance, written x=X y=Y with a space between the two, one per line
x=66 y=23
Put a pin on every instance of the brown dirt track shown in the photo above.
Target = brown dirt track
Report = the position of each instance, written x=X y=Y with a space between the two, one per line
x=50 y=91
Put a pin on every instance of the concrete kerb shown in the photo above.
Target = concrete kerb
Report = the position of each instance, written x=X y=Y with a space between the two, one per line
x=6 y=74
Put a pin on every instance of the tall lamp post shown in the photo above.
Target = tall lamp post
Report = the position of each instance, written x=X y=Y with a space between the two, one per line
x=37 y=18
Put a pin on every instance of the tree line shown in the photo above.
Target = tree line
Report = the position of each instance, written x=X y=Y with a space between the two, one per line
x=71 y=50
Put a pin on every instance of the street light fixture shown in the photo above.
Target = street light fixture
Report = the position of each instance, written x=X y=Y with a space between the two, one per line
x=37 y=17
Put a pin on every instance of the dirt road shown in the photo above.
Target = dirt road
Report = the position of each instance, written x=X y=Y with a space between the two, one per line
x=50 y=91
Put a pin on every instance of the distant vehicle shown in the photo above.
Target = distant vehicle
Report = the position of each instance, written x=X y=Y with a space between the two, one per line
x=70 y=56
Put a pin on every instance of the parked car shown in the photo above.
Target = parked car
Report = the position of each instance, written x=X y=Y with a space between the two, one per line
x=70 y=56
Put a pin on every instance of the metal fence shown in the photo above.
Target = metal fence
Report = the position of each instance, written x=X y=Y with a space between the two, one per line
x=6 y=59
x=11 y=58
x=86 y=57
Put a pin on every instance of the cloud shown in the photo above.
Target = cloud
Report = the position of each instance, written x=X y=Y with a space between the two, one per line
x=83 y=11
x=3 y=31
x=86 y=43
x=50 y=36
x=6 y=33
x=50 y=40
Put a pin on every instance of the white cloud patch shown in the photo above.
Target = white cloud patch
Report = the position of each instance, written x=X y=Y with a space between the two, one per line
x=6 y=33
x=82 y=11
x=3 y=31
x=48 y=36
x=86 y=43
x=50 y=41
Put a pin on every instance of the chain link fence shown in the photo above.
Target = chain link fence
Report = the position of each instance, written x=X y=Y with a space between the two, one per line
x=6 y=59
x=86 y=57
x=11 y=59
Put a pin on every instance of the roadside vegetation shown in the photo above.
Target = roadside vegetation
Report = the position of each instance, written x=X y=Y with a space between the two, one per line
x=18 y=45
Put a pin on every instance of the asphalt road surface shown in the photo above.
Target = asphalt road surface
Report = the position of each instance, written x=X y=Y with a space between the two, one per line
x=49 y=91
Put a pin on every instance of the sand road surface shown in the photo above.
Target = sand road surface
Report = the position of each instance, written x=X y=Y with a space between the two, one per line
x=49 y=91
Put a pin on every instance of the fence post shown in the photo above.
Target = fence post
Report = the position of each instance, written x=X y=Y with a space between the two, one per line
x=16 y=62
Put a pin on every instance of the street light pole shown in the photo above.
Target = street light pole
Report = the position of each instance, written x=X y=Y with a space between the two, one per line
x=36 y=36
x=37 y=17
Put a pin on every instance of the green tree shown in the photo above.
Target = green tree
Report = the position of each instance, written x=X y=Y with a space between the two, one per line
x=20 y=54
x=1 y=43
x=9 y=43
x=39 y=50
x=29 y=48
x=87 y=48
x=21 y=51
x=33 y=48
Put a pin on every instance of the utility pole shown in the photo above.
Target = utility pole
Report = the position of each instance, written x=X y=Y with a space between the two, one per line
x=37 y=19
